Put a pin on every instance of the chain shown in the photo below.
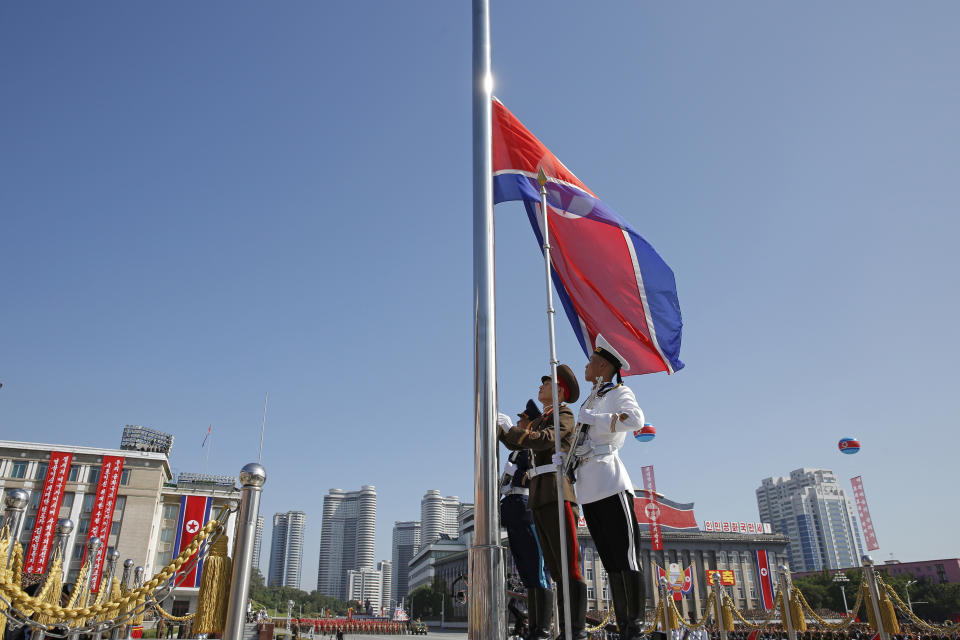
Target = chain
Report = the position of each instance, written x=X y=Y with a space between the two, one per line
x=755 y=625
x=603 y=622
x=703 y=619
x=169 y=616
x=907 y=612
x=833 y=626
x=17 y=599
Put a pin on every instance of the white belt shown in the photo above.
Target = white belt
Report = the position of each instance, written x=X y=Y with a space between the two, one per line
x=516 y=491
x=542 y=469
x=600 y=450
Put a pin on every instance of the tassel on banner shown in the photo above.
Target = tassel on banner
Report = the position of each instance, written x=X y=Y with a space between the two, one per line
x=5 y=574
x=50 y=590
x=727 y=615
x=868 y=604
x=672 y=615
x=17 y=566
x=214 y=596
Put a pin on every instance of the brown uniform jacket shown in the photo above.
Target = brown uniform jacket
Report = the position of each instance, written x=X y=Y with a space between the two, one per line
x=539 y=438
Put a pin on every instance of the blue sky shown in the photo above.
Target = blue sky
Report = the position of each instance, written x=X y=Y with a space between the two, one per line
x=204 y=202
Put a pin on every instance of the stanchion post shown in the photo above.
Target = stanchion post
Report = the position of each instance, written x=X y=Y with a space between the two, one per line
x=16 y=502
x=252 y=477
x=664 y=604
x=718 y=606
x=124 y=584
x=785 y=588
x=93 y=547
x=871 y=575
x=112 y=557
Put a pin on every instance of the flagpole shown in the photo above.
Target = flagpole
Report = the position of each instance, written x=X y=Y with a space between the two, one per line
x=263 y=424
x=485 y=620
x=551 y=312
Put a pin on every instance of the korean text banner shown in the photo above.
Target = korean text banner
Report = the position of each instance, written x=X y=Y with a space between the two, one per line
x=652 y=509
x=866 y=522
x=609 y=279
x=194 y=513
x=101 y=518
x=48 y=512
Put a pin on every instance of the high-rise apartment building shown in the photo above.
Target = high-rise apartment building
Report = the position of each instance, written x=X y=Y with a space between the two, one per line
x=366 y=587
x=346 y=538
x=257 y=543
x=385 y=567
x=812 y=510
x=286 y=549
x=438 y=516
x=406 y=544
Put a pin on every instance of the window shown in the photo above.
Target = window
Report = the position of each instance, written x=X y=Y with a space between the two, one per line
x=125 y=477
x=118 y=507
x=35 y=499
x=84 y=527
x=94 y=476
x=19 y=469
x=589 y=572
x=171 y=512
x=68 y=499
x=78 y=548
x=32 y=520
x=166 y=534
x=589 y=589
x=74 y=473
x=41 y=472
x=87 y=503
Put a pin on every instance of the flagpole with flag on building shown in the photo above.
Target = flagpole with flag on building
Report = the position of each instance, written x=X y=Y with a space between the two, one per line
x=207 y=444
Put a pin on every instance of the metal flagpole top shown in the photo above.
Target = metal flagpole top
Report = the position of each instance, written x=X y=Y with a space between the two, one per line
x=542 y=177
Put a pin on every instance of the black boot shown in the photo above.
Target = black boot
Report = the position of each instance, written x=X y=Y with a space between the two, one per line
x=578 y=610
x=621 y=610
x=539 y=613
x=636 y=605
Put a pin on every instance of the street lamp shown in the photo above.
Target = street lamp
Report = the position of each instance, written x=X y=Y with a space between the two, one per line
x=907 y=589
x=290 y=614
x=841 y=578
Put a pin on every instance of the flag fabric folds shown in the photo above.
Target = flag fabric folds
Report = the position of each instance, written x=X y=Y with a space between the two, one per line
x=610 y=280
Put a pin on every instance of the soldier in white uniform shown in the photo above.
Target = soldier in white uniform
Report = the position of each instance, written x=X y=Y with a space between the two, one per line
x=604 y=488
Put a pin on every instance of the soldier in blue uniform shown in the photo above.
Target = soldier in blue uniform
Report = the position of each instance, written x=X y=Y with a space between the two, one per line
x=517 y=519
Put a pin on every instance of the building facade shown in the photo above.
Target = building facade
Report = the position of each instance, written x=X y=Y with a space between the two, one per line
x=148 y=520
x=286 y=549
x=385 y=567
x=937 y=571
x=366 y=587
x=406 y=543
x=258 y=544
x=438 y=516
x=812 y=510
x=347 y=538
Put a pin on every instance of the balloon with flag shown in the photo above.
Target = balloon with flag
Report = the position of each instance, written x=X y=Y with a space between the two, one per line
x=849 y=446
x=645 y=434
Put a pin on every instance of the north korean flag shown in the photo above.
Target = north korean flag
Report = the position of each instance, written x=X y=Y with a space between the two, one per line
x=766 y=579
x=670 y=515
x=194 y=513
x=610 y=280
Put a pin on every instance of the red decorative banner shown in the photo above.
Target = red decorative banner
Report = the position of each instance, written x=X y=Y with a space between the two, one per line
x=869 y=535
x=766 y=579
x=48 y=512
x=194 y=513
x=101 y=519
x=727 y=578
x=652 y=510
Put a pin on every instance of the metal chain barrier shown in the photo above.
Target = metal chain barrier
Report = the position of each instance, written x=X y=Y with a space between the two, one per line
x=18 y=601
x=833 y=626
x=755 y=625
x=907 y=612
x=169 y=616
x=703 y=619
x=603 y=622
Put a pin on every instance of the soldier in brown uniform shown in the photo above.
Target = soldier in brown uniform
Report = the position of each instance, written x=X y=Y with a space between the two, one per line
x=538 y=435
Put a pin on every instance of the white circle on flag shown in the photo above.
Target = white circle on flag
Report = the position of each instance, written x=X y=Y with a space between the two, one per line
x=192 y=526
x=652 y=511
x=763 y=572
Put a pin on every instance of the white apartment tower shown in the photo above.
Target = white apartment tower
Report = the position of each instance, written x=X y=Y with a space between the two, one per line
x=438 y=515
x=366 y=587
x=406 y=544
x=346 y=538
x=385 y=567
x=812 y=510
x=286 y=549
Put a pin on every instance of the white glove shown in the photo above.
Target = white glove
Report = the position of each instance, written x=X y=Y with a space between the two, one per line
x=509 y=468
x=583 y=449
x=504 y=422
x=557 y=459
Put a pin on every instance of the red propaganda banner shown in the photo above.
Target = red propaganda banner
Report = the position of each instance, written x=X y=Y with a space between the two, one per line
x=101 y=518
x=194 y=513
x=48 y=511
x=869 y=535
x=727 y=579
x=766 y=579
x=652 y=510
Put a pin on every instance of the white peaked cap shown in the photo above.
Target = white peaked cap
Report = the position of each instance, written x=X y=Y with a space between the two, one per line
x=603 y=344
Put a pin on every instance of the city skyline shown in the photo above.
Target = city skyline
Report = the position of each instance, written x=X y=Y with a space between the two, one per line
x=198 y=211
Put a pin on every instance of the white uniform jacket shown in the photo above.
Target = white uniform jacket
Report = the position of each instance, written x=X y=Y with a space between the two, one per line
x=601 y=473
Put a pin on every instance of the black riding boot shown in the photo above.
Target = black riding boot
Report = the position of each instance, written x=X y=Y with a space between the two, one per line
x=539 y=613
x=578 y=610
x=636 y=605
x=621 y=610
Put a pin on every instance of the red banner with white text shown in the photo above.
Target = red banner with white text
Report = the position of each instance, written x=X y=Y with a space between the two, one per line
x=652 y=510
x=101 y=518
x=860 y=497
x=194 y=513
x=48 y=512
